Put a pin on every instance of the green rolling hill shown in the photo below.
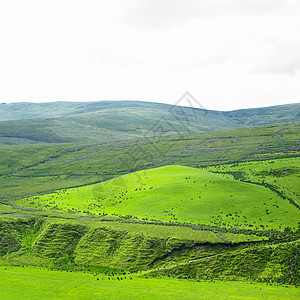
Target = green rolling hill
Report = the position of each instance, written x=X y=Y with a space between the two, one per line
x=89 y=122
x=34 y=169
x=177 y=194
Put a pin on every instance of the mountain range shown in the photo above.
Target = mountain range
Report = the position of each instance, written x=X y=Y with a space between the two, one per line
x=103 y=121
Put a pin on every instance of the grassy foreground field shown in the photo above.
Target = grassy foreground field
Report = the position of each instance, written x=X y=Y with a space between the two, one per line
x=179 y=210
x=176 y=194
x=38 y=283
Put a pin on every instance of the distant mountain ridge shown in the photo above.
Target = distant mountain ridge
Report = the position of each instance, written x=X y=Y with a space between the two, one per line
x=30 y=110
x=67 y=122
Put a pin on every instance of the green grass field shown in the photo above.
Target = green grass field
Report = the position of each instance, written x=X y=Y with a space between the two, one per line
x=177 y=194
x=38 y=283
x=219 y=205
x=27 y=170
x=282 y=174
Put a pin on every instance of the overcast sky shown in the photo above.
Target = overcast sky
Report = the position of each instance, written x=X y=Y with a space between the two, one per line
x=229 y=54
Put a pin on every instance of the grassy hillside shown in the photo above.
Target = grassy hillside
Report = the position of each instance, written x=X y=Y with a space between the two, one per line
x=281 y=175
x=33 y=169
x=177 y=194
x=266 y=115
x=63 y=122
x=112 y=244
x=272 y=263
x=105 y=247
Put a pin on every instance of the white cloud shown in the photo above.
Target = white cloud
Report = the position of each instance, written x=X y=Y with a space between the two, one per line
x=156 y=14
x=284 y=59
x=86 y=50
x=213 y=60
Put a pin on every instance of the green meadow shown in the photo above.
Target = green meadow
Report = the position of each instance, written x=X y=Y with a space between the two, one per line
x=37 y=169
x=281 y=174
x=193 y=214
x=38 y=283
x=177 y=194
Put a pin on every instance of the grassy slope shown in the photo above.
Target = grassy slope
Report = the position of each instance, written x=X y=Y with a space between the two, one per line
x=32 y=169
x=176 y=193
x=115 y=121
x=106 y=121
x=14 y=158
x=272 y=263
x=35 y=283
x=266 y=115
x=178 y=232
x=71 y=244
x=282 y=174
